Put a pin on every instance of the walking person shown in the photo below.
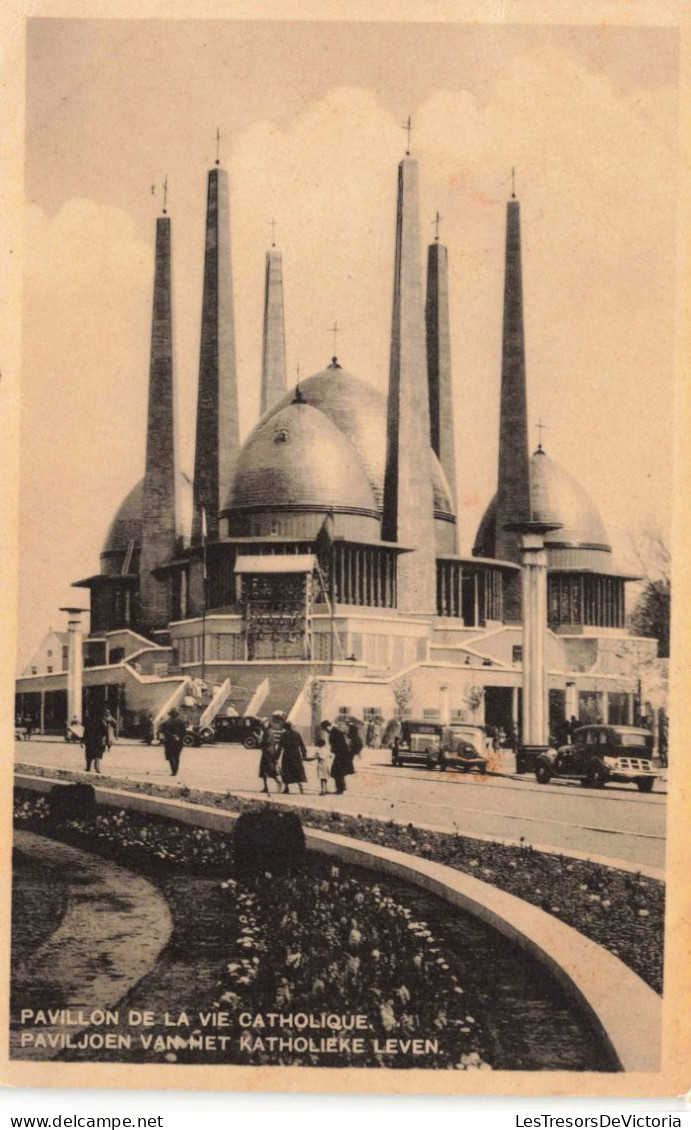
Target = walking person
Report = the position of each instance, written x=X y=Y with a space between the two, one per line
x=268 y=769
x=293 y=753
x=110 y=723
x=342 y=764
x=95 y=742
x=322 y=767
x=354 y=740
x=173 y=730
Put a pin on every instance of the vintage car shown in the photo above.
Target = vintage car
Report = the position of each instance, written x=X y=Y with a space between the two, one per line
x=245 y=729
x=418 y=742
x=464 y=748
x=600 y=754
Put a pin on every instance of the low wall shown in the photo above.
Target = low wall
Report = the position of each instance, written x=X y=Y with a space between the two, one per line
x=626 y=1011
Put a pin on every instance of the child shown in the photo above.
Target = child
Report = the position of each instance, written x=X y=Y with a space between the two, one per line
x=322 y=767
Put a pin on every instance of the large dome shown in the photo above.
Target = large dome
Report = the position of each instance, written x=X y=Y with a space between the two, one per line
x=581 y=542
x=297 y=463
x=359 y=412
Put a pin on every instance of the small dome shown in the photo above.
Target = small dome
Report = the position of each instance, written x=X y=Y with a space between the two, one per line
x=559 y=497
x=555 y=492
x=359 y=411
x=297 y=459
x=127 y=523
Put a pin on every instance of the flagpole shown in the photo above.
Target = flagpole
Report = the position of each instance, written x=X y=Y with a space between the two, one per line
x=331 y=596
x=204 y=594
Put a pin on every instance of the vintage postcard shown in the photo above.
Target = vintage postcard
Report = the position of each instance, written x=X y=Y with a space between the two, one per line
x=349 y=727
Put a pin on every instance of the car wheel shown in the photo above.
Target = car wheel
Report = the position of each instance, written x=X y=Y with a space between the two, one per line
x=207 y=734
x=542 y=775
x=442 y=763
x=429 y=760
x=250 y=742
x=188 y=740
x=646 y=786
x=597 y=776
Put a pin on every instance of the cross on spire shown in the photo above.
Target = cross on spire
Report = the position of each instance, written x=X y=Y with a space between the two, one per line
x=335 y=330
x=541 y=428
x=435 y=223
x=218 y=146
x=165 y=195
x=408 y=127
x=513 y=184
x=272 y=225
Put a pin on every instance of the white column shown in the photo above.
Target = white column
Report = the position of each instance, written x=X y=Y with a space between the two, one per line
x=534 y=589
x=75 y=667
x=444 y=707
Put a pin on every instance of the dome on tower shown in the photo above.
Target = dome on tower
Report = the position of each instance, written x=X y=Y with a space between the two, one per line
x=296 y=465
x=359 y=412
x=580 y=543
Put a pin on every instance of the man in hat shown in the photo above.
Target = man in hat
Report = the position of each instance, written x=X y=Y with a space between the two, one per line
x=173 y=730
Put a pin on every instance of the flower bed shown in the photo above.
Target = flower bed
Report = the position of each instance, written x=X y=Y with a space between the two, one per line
x=619 y=910
x=322 y=943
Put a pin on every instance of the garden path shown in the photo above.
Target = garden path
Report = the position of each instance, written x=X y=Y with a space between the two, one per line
x=115 y=925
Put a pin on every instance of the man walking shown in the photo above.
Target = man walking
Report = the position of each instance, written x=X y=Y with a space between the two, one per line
x=95 y=742
x=174 y=731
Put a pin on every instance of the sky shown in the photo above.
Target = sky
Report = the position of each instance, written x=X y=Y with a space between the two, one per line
x=311 y=118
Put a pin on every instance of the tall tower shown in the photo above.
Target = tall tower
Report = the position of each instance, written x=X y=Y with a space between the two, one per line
x=513 y=478
x=273 y=343
x=439 y=363
x=159 y=524
x=408 y=502
x=218 y=432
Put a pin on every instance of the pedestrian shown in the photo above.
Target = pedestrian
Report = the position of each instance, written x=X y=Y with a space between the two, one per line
x=95 y=741
x=293 y=753
x=342 y=764
x=110 y=723
x=173 y=730
x=322 y=767
x=28 y=727
x=354 y=740
x=149 y=730
x=268 y=769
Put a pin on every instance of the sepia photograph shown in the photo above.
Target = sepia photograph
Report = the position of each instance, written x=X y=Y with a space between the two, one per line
x=342 y=740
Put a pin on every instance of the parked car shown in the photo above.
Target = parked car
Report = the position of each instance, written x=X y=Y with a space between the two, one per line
x=600 y=754
x=245 y=729
x=464 y=748
x=419 y=742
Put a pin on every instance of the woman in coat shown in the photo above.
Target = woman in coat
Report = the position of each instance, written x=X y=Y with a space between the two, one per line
x=267 y=762
x=293 y=753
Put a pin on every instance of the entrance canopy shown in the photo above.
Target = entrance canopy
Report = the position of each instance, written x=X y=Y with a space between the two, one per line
x=276 y=563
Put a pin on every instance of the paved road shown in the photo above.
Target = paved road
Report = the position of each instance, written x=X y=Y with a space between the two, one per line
x=617 y=822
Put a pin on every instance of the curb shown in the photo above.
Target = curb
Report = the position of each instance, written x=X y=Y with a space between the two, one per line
x=594 y=979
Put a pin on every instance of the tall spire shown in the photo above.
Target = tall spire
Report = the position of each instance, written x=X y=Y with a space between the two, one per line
x=218 y=433
x=159 y=525
x=439 y=361
x=274 y=344
x=513 y=481
x=408 y=501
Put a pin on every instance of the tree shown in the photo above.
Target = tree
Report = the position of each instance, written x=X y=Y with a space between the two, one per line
x=651 y=615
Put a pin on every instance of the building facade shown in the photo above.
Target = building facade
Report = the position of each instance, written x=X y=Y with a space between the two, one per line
x=319 y=560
